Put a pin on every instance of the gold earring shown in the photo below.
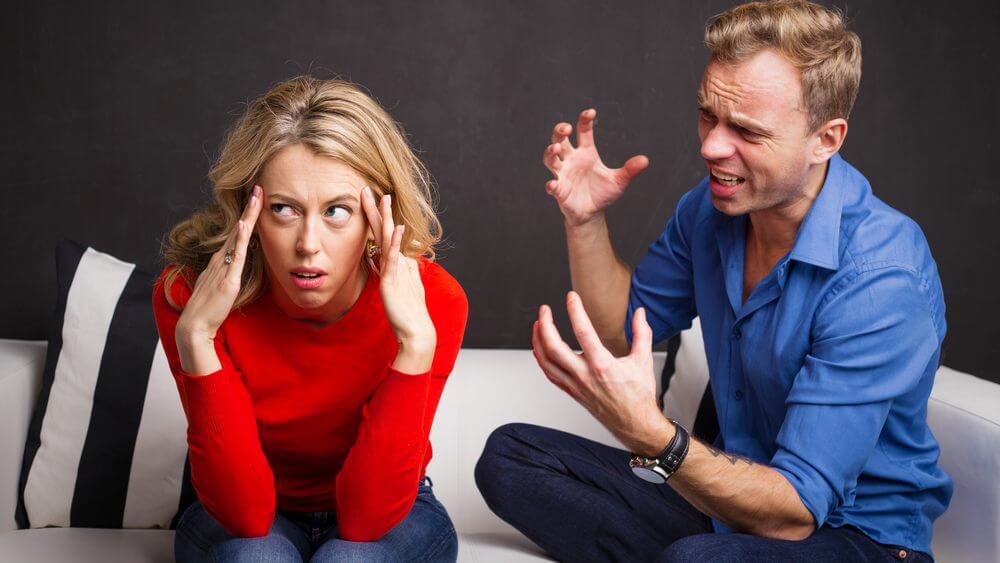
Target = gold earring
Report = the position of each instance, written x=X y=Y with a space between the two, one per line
x=372 y=253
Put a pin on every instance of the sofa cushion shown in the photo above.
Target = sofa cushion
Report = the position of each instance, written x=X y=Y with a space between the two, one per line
x=106 y=447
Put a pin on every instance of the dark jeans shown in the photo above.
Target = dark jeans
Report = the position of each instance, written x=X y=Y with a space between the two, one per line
x=426 y=534
x=579 y=501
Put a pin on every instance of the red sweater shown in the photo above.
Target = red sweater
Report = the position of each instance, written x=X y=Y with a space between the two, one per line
x=307 y=419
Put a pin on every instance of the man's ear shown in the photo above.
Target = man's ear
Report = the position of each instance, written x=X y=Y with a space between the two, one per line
x=828 y=139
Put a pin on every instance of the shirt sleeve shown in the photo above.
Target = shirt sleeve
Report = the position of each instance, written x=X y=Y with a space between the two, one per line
x=377 y=485
x=873 y=341
x=663 y=282
x=229 y=471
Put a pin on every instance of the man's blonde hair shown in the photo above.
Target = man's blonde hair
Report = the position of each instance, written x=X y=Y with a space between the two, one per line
x=812 y=38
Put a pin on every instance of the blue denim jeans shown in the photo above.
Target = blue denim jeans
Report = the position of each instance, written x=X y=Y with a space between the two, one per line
x=426 y=534
x=579 y=501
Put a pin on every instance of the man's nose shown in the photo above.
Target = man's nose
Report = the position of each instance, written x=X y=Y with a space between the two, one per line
x=308 y=242
x=717 y=144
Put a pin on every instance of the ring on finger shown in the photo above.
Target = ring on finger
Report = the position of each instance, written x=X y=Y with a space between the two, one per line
x=229 y=256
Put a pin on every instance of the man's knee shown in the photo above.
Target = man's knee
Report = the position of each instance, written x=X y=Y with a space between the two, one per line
x=505 y=453
x=702 y=547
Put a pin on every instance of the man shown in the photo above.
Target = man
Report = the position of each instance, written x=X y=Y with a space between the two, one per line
x=822 y=314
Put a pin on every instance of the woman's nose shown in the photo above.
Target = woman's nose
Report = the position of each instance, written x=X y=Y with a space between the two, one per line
x=308 y=242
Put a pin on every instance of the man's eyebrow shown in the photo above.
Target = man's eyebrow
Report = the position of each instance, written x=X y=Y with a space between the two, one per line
x=738 y=120
x=339 y=199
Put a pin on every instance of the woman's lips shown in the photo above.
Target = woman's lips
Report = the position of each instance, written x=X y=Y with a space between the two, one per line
x=308 y=283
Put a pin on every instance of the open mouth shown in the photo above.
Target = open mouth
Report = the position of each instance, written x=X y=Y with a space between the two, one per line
x=727 y=179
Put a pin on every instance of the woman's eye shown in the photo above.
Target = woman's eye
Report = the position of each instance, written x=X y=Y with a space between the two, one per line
x=338 y=213
x=281 y=209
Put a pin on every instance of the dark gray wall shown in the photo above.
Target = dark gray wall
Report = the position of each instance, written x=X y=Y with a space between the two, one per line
x=112 y=113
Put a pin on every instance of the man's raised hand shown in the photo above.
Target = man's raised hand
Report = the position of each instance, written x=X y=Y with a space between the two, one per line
x=583 y=186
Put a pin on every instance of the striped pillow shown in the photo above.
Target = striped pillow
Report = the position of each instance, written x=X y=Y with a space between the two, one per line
x=107 y=446
x=687 y=394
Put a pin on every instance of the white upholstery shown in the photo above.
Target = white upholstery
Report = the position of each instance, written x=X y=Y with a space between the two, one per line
x=489 y=388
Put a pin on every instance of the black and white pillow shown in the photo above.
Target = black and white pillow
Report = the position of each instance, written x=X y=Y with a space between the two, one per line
x=107 y=443
x=687 y=392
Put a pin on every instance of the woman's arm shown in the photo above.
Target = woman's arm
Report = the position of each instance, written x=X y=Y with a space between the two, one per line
x=377 y=486
x=228 y=469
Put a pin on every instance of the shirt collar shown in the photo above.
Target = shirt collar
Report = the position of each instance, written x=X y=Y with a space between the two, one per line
x=818 y=240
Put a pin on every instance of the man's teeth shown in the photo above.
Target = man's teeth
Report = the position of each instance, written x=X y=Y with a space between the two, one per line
x=727 y=179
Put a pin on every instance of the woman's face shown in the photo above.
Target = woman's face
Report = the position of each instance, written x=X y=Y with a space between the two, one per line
x=312 y=231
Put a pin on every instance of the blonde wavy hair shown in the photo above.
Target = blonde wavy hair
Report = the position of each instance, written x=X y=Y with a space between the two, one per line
x=813 y=38
x=334 y=118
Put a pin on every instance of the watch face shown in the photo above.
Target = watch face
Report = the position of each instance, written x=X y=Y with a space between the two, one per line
x=648 y=475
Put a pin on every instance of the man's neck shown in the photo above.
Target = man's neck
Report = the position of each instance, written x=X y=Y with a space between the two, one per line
x=772 y=231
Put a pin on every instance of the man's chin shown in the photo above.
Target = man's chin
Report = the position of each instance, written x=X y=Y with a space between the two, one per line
x=728 y=206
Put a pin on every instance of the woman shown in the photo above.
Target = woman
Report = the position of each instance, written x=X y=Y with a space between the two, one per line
x=310 y=335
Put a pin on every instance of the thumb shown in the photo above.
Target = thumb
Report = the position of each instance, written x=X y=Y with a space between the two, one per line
x=642 y=334
x=632 y=168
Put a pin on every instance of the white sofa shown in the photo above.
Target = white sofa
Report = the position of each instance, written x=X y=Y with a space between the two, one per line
x=489 y=388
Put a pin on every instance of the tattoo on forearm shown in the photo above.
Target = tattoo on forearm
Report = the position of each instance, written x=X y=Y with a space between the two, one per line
x=732 y=458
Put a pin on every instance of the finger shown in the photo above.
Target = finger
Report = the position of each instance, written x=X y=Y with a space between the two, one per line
x=551 y=159
x=585 y=128
x=392 y=259
x=554 y=347
x=556 y=375
x=372 y=213
x=593 y=350
x=385 y=208
x=642 y=334
x=632 y=168
x=235 y=269
x=560 y=136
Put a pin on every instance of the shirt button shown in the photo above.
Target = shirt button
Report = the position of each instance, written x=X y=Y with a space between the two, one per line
x=737 y=333
x=902 y=554
x=739 y=395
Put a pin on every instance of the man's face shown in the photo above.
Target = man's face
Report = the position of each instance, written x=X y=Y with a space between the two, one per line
x=311 y=223
x=754 y=133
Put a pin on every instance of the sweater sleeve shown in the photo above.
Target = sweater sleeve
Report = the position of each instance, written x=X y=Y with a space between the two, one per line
x=229 y=471
x=377 y=485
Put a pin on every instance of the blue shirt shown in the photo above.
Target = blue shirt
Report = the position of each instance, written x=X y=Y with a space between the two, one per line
x=824 y=372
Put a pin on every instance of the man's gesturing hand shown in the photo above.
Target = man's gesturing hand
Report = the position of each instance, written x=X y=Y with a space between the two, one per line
x=583 y=185
x=618 y=392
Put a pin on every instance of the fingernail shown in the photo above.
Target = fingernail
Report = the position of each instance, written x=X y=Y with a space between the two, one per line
x=366 y=192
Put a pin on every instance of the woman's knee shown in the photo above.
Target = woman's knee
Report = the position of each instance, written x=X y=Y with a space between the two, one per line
x=199 y=537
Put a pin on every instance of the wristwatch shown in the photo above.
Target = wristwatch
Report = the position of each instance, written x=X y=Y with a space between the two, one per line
x=658 y=469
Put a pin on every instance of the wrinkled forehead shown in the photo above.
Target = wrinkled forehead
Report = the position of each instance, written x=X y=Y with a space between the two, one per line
x=298 y=172
x=765 y=87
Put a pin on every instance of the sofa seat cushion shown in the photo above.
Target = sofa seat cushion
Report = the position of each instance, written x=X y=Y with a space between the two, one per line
x=87 y=545
x=92 y=545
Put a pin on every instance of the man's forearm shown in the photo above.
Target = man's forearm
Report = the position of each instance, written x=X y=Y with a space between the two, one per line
x=601 y=279
x=744 y=495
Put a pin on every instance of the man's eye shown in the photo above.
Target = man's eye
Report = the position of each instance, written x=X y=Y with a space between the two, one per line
x=338 y=213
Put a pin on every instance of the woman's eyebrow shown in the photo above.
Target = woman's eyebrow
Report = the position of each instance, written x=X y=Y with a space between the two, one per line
x=351 y=198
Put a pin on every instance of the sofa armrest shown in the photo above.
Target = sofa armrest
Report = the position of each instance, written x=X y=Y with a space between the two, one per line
x=21 y=366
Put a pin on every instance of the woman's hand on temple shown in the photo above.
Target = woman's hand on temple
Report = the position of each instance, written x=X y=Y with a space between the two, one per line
x=583 y=186
x=215 y=292
x=401 y=288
